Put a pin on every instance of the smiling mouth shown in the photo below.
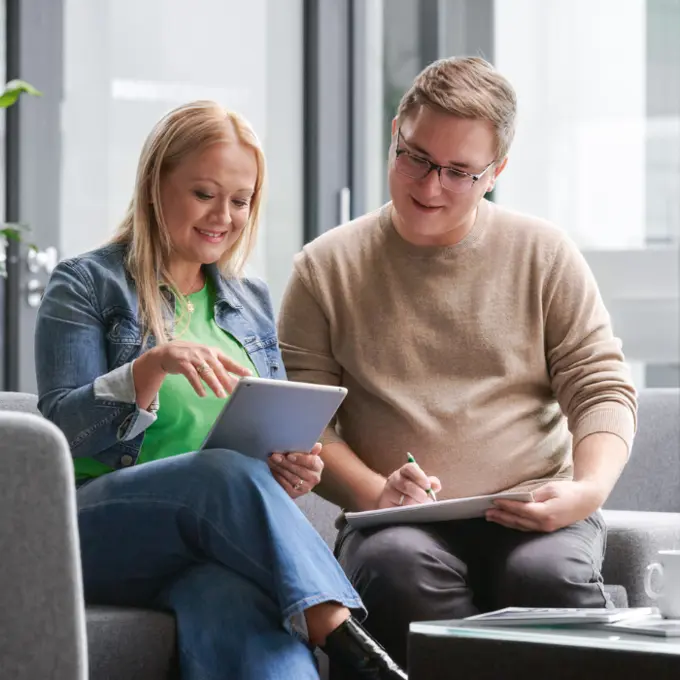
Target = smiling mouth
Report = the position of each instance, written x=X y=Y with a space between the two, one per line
x=422 y=206
x=211 y=235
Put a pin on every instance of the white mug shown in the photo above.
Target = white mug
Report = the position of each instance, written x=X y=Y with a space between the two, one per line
x=668 y=569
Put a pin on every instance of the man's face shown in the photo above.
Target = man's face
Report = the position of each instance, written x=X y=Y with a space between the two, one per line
x=426 y=212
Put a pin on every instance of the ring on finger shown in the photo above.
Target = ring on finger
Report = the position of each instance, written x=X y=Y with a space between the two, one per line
x=298 y=485
x=401 y=499
x=203 y=368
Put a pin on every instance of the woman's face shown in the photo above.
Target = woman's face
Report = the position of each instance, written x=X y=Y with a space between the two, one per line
x=206 y=201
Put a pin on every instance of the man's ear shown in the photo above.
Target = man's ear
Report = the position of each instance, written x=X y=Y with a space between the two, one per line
x=494 y=176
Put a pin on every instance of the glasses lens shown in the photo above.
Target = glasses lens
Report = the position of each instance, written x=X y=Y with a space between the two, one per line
x=456 y=182
x=411 y=166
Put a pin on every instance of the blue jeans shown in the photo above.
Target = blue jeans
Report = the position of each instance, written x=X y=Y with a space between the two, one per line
x=212 y=537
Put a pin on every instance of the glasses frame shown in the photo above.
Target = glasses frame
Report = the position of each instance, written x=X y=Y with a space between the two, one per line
x=435 y=166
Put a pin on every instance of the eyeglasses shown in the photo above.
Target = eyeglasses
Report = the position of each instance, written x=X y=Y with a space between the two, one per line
x=417 y=167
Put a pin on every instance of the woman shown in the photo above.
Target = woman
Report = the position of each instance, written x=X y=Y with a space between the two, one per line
x=137 y=346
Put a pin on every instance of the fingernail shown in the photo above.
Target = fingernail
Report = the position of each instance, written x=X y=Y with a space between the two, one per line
x=292 y=458
x=222 y=394
x=277 y=457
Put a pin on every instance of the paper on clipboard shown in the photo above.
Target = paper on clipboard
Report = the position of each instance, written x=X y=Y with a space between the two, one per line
x=440 y=511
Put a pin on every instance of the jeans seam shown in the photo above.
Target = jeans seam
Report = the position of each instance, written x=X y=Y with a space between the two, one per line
x=178 y=506
x=597 y=573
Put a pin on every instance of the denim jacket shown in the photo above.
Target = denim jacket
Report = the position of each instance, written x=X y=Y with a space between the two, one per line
x=88 y=334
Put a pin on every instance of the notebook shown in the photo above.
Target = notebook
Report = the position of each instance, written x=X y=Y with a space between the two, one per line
x=554 y=616
x=439 y=511
x=656 y=626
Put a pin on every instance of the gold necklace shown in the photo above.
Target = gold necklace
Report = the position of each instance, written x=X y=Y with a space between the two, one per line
x=190 y=305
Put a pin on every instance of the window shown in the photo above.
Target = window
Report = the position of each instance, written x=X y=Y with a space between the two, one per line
x=597 y=149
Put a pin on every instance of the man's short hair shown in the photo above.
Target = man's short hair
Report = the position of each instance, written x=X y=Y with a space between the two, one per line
x=466 y=87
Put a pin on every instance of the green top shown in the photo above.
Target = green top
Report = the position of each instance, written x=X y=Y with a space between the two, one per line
x=184 y=419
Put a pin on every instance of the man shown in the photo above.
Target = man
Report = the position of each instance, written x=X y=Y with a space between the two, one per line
x=475 y=338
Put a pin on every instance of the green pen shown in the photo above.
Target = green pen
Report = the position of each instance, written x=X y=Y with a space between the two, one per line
x=411 y=459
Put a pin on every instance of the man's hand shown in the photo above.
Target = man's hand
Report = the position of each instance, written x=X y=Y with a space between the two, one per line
x=557 y=504
x=408 y=486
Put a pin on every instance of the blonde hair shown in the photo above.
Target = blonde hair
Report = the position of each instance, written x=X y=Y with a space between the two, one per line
x=466 y=87
x=183 y=130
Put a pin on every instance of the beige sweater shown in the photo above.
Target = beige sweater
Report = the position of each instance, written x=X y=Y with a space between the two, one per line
x=483 y=359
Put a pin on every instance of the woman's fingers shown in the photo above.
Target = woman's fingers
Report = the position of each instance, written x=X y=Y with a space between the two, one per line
x=289 y=476
x=285 y=484
x=296 y=467
x=316 y=449
x=191 y=374
x=230 y=365
x=227 y=383
x=211 y=371
x=207 y=372
x=292 y=485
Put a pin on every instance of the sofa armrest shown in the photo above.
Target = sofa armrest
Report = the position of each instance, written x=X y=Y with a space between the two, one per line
x=42 y=613
x=633 y=541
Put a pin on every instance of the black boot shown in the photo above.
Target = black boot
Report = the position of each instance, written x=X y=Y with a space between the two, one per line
x=354 y=650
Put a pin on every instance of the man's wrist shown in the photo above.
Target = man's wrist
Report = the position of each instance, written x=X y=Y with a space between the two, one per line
x=593 y=491
x=370 y=498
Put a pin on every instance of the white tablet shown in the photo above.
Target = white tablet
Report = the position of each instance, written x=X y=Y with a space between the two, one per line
x=263 y=416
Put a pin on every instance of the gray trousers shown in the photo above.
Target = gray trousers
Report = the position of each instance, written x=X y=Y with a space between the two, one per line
x=450 y=570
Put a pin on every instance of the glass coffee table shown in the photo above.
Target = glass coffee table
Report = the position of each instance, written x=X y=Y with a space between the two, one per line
x=457 y=650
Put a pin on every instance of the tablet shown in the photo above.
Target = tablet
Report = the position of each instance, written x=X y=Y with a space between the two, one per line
x=263 y=416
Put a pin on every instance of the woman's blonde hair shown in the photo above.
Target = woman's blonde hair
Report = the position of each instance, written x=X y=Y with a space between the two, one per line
x=466 y=87
x=182 y=131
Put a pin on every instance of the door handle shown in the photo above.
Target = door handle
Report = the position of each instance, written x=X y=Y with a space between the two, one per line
x=34 y=292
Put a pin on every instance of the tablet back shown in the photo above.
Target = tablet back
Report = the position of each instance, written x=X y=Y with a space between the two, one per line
x=263 y=416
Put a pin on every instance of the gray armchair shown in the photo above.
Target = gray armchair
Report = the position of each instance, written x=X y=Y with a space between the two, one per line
x=37 y=530
x=42 y=614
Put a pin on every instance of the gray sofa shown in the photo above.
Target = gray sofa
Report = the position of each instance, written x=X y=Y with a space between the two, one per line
x=40 y=600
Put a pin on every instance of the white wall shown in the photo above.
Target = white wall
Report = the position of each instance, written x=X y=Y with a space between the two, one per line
x=127 y=62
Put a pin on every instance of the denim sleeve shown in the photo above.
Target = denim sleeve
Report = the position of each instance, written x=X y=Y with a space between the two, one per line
x=94 y=406
x=275 y=359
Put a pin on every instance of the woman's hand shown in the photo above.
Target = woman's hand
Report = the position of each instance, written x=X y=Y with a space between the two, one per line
x=408 y=486
x=298 y=473
x=197 y=363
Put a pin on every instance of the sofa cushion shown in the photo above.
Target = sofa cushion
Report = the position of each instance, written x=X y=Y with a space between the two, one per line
x=633 y=541
x=321 y=514
x=130 y=644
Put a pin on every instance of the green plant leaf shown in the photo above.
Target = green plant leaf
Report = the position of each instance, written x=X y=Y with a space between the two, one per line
x=12 y=91
x=13 y=231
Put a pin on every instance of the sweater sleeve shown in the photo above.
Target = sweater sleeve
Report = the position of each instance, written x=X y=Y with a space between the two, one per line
x=304 y=336
x=588 y=373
